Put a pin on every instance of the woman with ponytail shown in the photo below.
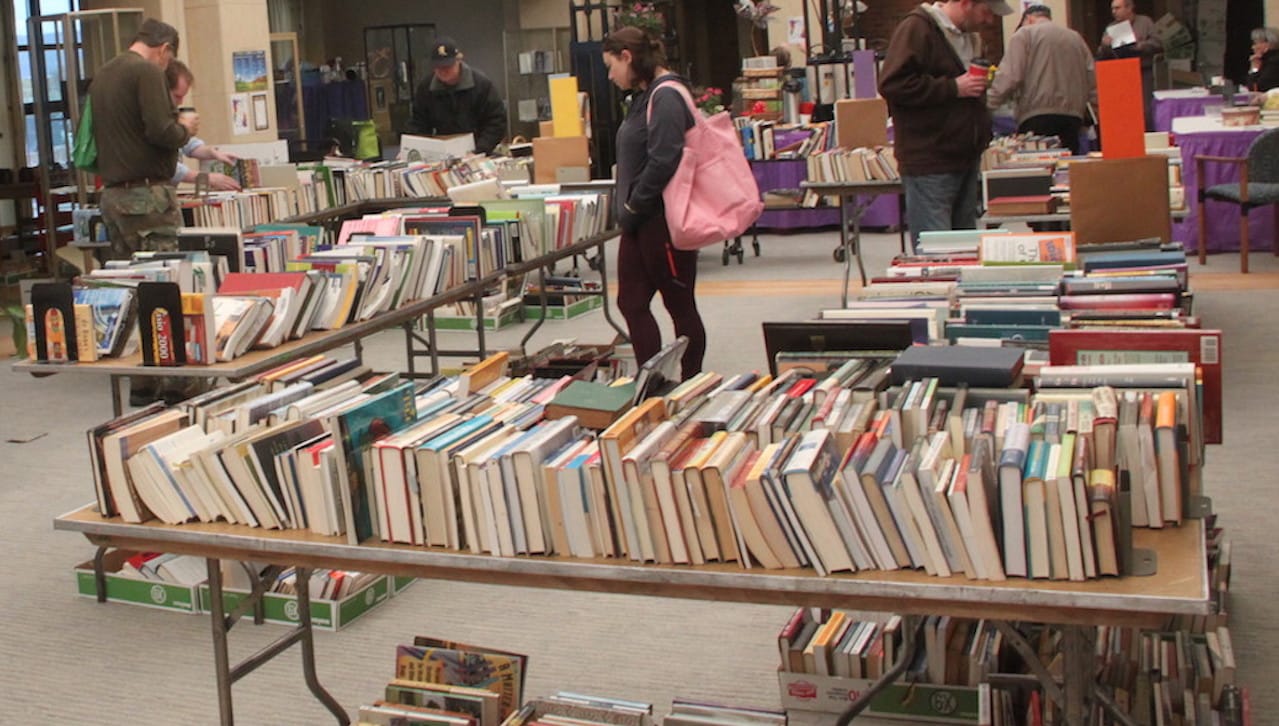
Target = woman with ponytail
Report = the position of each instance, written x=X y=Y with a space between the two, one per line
x=649 y=148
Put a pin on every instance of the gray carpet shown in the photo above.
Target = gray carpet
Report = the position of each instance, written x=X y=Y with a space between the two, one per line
x=65 y=659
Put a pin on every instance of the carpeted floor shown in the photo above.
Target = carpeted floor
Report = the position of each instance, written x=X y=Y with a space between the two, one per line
x=65 y=659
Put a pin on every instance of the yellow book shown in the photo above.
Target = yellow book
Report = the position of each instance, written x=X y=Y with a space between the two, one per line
x=565 y=118
x=86 y=340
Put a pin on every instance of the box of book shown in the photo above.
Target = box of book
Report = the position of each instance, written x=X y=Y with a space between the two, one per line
x=566 y=311
x=325 y=614
x=915 y=702
x=400 y=584
x=506 y=317
x=130 y=580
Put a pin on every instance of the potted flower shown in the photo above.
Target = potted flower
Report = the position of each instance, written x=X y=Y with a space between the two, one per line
x=709 y=100
x=642 y=15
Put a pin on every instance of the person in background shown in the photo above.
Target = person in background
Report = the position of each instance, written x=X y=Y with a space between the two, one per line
x=1263 y=67
x=138 y=134
x=458 y=99
x=649 y=149
x=1048 y=72
x=940 y=120
x=180 y=79
x=1147 y=46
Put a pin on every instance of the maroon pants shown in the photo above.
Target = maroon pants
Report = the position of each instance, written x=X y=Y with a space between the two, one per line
x=648 y=264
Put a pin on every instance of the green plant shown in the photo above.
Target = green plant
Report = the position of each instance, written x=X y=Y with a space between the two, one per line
x=644 y=16
x=19 y=322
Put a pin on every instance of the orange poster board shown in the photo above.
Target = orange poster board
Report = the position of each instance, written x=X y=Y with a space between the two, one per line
x=1122 y=116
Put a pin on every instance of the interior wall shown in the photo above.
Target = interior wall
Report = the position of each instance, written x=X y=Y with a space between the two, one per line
x=227 y=26
x=475 y=26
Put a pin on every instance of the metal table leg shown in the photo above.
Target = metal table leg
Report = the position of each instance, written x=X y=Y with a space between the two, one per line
x=221 y=662
x=604 y=291
x=541 y=299
x=910 y=642
x=303 y=634
x=409 y=350
x=844 y=245
x=100 y=574
x=117 y=393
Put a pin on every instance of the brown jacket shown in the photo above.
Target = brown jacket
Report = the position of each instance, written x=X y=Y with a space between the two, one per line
x=134 y=121
x=935 y=131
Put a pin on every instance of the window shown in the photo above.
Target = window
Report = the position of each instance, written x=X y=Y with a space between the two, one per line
x=59 y=126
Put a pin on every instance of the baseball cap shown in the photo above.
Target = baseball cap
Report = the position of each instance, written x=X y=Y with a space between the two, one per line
x=1037 y=9
x=444 y=53
x=999 y=7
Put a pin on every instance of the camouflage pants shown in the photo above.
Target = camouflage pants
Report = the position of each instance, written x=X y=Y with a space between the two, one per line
x=141 y=218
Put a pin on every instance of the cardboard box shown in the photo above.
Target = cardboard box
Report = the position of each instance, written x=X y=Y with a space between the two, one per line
x=565 y=312
x=135 y=591
x=325 y=614
x=861 y=122
x=916 y=702
x=552 y=152
x=1098 y=214
x=509 y=316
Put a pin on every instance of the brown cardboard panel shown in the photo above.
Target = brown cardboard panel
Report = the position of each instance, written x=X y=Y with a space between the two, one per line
x=861 y=122
x=553 y=152
x=1099 y=214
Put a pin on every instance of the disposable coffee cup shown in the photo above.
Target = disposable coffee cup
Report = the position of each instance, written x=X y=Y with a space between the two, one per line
x=979 y=67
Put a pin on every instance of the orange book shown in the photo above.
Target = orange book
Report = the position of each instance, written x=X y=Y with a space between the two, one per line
x=1120 y=111
x=1168 y=456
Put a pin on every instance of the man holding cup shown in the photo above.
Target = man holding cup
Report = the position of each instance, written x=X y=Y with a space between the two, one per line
x=935 y=86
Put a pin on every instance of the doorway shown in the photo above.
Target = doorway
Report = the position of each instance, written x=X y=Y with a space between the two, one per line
x=398 y=58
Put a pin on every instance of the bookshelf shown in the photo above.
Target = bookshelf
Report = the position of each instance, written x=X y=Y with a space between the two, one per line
x=532 y=56
x=1179 y=587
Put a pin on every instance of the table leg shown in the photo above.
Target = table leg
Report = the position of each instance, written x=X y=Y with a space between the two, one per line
x=432 y=343
x=1078 y=675
x=409 y=351
x=844 y=246
x=910 y=642
x=857 y=247
x=100 y=574
x=479 y=324
x=359 y=350
x=604 y=291
x=541 y=300
x=117 y=392
x=901 y=220
x=1028 y=656
x=221 y=662
x=308 y=650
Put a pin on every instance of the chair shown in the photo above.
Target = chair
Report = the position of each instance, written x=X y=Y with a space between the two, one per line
x=1258 y=186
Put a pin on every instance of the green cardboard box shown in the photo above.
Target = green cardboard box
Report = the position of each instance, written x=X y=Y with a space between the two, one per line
x=325 y=614
x=400 y=584
x=915 y=702
x=135 y=591
x=509 y=316
x=565 y=312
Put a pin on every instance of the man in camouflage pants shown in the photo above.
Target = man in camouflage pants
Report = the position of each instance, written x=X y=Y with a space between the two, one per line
x=138 y=135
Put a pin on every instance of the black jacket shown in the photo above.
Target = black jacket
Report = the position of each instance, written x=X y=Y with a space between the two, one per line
x=1267 y=76
x=470 y=106
x=649 y=151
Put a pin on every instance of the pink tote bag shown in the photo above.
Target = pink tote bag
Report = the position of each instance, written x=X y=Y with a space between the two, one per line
x=713 y=196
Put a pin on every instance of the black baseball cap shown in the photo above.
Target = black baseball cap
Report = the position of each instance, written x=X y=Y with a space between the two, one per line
x=444 y=53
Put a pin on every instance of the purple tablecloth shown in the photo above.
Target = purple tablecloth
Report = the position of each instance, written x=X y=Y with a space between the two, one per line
x=1167 y=109
x=1223 y=218
x=788 y=174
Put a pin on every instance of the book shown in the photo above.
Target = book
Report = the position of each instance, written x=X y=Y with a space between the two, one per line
x=1203 y=347
x=596 y=405
x=956 y=364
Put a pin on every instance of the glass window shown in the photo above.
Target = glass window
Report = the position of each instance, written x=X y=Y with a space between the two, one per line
x=57 y=120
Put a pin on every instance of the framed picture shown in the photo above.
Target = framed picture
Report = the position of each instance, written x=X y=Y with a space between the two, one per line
x=240 y=114
x=261 y=117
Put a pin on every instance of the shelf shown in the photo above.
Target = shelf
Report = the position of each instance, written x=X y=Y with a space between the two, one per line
x=1180 y=587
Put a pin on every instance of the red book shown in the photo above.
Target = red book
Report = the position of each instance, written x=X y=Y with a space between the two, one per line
x=1100 y=346
x=801 y=387
x=252 y=283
